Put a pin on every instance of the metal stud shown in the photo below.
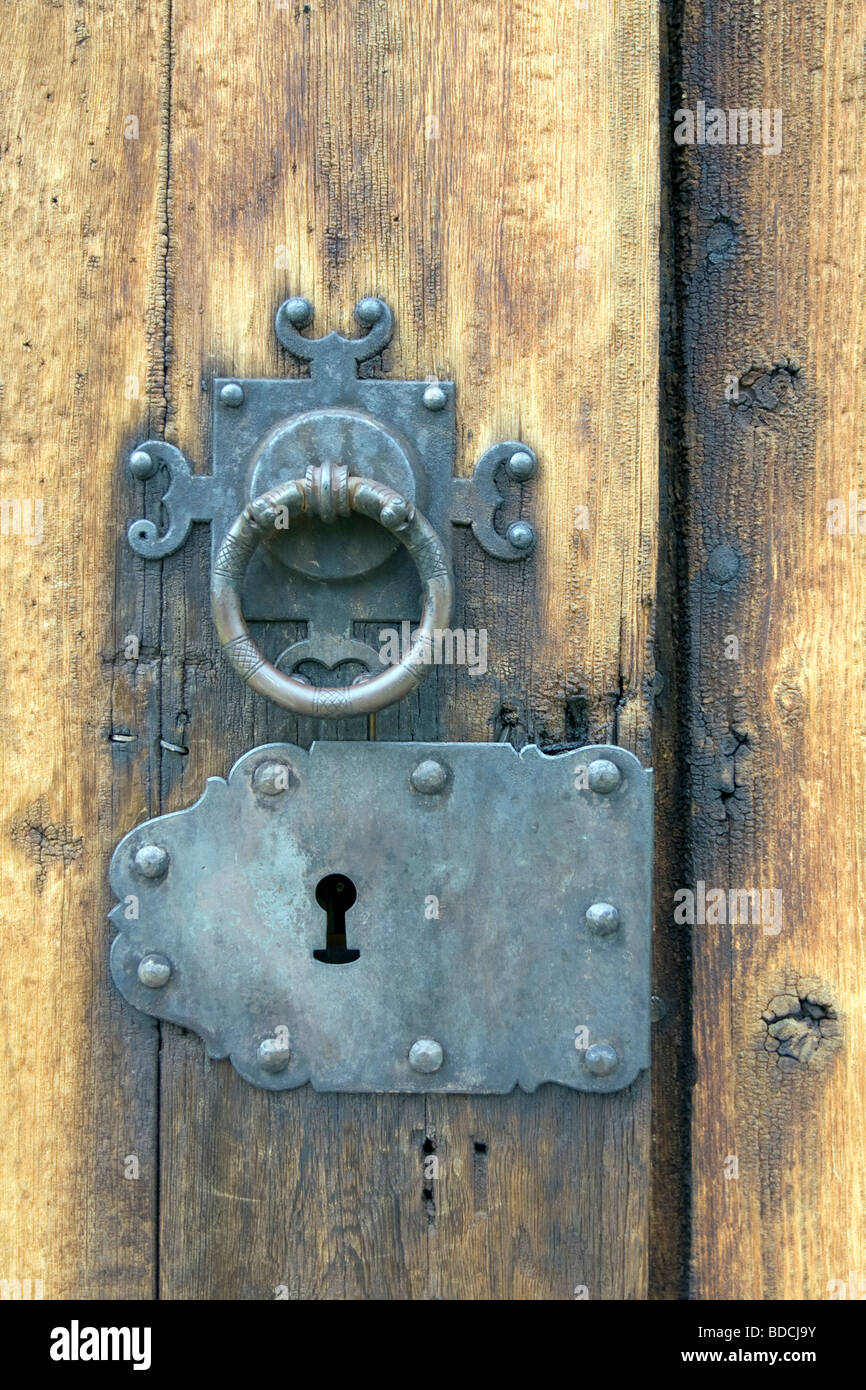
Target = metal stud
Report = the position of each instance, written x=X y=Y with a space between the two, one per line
x=434 y=398
x=298 y=311
x=603 y=776
x=521 y=535
x=520 y=466
x=368 y=311
x=141 y=465
x=601 y=1059
x=232 y=394
x=275 y=1054
x=602 y=918
x=151 y=861
x=429 y=777
x=154 y=970
x=426 y=1055
x=270 y=779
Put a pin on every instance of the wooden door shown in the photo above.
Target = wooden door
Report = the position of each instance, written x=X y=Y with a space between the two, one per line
x=499 y=174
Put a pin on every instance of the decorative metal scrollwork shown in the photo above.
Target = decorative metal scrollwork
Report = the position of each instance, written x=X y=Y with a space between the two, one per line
x=398 y=434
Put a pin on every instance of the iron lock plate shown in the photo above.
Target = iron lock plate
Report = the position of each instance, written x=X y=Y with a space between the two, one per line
x=500 y=933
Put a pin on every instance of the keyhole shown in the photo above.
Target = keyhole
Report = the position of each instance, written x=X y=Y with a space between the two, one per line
x=336 y=894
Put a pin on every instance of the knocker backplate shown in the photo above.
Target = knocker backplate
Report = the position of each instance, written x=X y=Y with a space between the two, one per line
x=268 y=432
x=348 y=570
x=502 y=916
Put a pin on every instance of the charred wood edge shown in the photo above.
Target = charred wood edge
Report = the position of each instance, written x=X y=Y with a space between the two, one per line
x=672 y=1071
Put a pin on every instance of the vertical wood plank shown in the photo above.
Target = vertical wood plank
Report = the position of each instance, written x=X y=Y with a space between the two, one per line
x=772 y=255
x=81 y=372
x=491 y=172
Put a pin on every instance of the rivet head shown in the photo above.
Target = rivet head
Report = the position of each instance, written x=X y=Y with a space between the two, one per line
x=368 y=311
x=232 y=394
x=151 y=861
x=521 y=535
x=298 y=311
x=603 y=776
x=601 y=1059
x=602 y=918
x=429 y=777
x=141 y=465
x=275 y=1054
x=426 y=1055
x=270 y=779
x=434 y=398
x=658 y=1008
x=154 y=970
x=520 y=466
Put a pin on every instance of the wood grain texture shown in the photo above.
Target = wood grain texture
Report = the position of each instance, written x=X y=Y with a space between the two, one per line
x=492 y=173
x=772 y=255
x=81 y=354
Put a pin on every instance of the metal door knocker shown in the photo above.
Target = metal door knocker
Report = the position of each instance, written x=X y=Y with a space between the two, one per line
x=289 y=923
x=398 y=434
x=327 y=492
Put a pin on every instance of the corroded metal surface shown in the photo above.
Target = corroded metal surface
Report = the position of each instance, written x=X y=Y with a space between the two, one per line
x=267 y=433
x=500 y=918
x=329 y=492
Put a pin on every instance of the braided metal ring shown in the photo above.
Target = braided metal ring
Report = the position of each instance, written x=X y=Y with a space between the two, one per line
x=327 y=492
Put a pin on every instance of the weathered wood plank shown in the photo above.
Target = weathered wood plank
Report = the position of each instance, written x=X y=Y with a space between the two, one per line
x=773 y=247
x=490 y=171
x=81 y=373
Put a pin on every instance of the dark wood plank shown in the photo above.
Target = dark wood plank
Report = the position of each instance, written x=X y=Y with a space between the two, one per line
x=771 y=253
